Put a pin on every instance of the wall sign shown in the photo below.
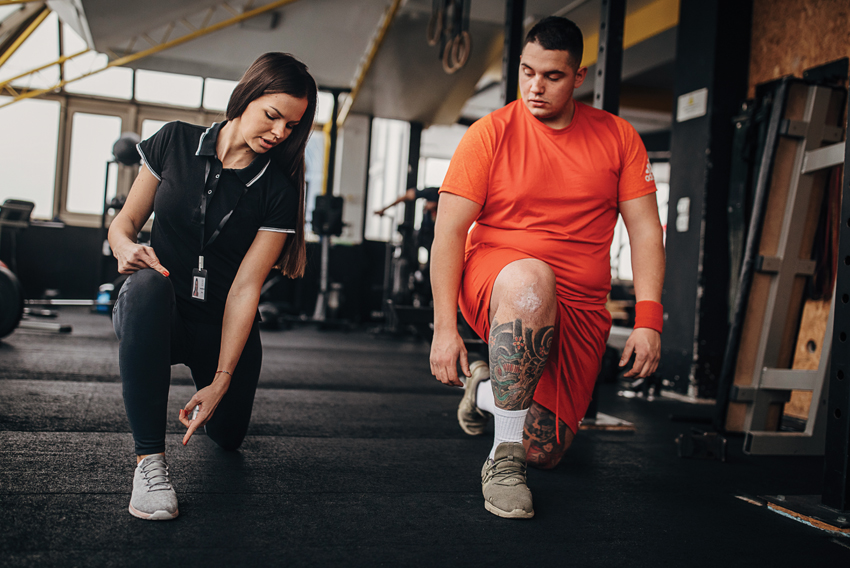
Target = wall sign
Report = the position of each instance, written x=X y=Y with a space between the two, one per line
x=692 y=105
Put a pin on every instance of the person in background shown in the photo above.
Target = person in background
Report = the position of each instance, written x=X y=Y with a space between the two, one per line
x=431 y=196
x=424 y=235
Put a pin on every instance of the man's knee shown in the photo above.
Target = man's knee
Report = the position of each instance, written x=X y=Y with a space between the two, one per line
x=546 y=439
x=526 y=288
x=545 y=456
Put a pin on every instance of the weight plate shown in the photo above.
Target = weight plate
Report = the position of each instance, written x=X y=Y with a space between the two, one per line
x=11 y=302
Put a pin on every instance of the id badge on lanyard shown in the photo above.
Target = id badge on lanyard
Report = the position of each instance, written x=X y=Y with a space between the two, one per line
x=199 y=275
x=199 y=281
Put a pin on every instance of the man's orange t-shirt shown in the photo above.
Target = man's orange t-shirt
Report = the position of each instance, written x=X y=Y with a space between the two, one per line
x=552 y=194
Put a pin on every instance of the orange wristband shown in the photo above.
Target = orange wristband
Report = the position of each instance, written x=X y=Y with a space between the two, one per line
x=649 y=314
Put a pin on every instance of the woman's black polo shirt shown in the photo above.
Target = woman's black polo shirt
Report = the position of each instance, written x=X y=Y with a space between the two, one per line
x=261 y=197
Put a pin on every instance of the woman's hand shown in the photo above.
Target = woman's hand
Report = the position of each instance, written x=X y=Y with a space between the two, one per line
x=207 y=399
x=133 y=256
x=125 y=228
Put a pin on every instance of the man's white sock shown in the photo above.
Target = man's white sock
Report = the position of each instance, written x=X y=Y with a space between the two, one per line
x=484 y=397
x=509 y=423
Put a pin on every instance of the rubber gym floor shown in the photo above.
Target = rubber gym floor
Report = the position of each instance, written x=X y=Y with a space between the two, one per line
x=355 y=458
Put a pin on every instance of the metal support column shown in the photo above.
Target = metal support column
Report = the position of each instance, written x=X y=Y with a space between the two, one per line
x=609 y=62
x=514 y=15
x=710 y=72
x=836 y=479
x=606 y=96
x=413 y=152
x=366 y=211
x=411 y=251
x=319 y=313
x=332 y=137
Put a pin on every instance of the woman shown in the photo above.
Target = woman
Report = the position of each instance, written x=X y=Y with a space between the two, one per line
x=229 y=204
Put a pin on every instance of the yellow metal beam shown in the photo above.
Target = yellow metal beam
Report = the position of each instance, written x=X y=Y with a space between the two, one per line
x=24 y=35
x=158 y=48
x=640 y=25
x=12 y=2
x=366 y=63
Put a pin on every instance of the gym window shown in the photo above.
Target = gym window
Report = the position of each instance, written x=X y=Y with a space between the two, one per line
x=92 y=137
x=169 y=88
x=217 y=93
x=27 y=173
x=387 y=177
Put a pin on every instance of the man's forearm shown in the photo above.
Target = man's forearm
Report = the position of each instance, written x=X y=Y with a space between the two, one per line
x=648 y=267
x=446 y=269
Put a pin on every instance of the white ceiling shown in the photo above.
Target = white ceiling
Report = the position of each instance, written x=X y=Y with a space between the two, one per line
x=406 y=80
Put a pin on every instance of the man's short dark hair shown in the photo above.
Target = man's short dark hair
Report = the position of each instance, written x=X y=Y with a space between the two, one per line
x=556 y=33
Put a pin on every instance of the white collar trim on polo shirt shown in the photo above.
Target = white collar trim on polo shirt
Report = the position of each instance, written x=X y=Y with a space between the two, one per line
x=259 y=175
x=204 y=135
x=201 y=143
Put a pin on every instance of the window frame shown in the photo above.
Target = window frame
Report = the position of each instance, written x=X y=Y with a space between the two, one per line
x=73 y=105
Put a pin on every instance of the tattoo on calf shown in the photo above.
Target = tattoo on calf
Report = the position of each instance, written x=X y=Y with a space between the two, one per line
x=517 y=359
x=544 y=451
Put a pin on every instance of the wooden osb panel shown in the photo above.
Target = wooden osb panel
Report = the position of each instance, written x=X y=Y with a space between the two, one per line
x=798 y=406
x=790 y=36
x=807 y=354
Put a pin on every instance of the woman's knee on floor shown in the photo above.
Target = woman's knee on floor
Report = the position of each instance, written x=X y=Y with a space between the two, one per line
x=229 y=439
x=525 y=289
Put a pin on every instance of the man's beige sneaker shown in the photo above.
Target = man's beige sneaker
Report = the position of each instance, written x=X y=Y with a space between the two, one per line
x=506 y=493
x=472 y=419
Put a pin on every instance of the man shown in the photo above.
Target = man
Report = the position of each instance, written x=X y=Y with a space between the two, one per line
x=543 y=179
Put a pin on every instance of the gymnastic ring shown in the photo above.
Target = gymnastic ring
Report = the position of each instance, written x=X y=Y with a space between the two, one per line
x=435 y=27
x=461 y=49
x=448 y=66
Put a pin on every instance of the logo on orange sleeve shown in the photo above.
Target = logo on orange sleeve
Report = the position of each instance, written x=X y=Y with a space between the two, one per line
x=649 y=176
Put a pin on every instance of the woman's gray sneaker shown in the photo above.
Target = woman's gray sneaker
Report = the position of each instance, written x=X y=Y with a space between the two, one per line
x=153 y=495
x=472 y=419
x=503 y=482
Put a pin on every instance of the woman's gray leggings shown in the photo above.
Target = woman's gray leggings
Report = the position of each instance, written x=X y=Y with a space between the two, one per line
x=153 y=336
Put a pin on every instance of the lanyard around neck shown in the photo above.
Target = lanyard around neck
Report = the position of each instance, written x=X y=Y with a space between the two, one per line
x=224 y=219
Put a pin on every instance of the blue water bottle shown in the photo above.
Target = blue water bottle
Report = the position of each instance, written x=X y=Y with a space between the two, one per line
x=103 y=303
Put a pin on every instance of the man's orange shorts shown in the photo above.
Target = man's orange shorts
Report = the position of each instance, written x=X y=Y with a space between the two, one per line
x=566 y=386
